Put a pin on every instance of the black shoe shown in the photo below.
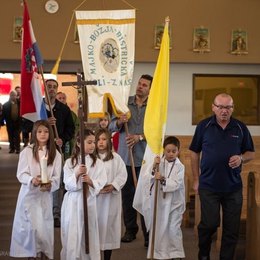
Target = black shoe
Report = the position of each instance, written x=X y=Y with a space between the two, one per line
x=204 y=258
x=11 y=151
x=146 y=243
x=57 y=222
x=128 y=237
x=17 y=151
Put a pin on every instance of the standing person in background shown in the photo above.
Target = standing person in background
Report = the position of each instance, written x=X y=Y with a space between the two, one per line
x=26 y=125
x=62 y=97
x=33 y=232
x=104 y=121
x=104 y=124
x=109 y=199
x=11 y=116
x=65 y=127
x=18 y=92
x=225 y=144
x=135 y=141
x=93 y=173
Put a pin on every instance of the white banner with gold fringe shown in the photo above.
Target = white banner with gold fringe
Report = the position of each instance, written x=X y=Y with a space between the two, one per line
x=107 y=41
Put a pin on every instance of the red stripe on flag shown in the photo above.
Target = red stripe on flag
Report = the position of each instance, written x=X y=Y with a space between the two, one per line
x=27 y=104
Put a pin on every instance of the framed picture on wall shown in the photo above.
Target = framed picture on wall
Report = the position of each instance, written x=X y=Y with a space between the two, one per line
x=17 y=29
x=239 y=42
x=201 y=40
x=158 y=33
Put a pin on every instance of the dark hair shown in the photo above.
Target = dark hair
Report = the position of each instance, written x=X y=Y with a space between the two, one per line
x=51 y=146
x=109 y=155
x=48 y=80
x=76 y=150
x=171 y=140
x=147 y=77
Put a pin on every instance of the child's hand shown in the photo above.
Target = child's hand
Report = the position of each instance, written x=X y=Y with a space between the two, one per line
x=86 y=178
x=58 y=142
x=107 y=189
x=81 y=170
x=157 y=160
x=36 y=181
x=158 y=176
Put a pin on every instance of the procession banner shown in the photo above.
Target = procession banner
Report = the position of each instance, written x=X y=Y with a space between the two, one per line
x=107 y=41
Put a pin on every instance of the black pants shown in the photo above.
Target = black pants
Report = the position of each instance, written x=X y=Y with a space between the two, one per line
x=13 y=131
x=129 y=213
x=231 y=203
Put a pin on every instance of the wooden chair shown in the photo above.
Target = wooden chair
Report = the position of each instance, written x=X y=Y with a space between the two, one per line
x=253 y=217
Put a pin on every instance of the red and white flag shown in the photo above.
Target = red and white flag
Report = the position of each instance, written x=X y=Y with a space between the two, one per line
x=32 y=106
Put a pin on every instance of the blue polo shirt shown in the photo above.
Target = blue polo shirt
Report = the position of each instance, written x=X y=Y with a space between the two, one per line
x=216 y=146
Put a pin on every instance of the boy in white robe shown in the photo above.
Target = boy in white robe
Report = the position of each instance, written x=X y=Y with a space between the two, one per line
x=171 y=201
x=72 y=214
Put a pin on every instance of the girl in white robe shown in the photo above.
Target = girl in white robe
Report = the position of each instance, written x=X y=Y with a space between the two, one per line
x=109 y=199
x=33 y=229
x=72 y=214
x=171 y=202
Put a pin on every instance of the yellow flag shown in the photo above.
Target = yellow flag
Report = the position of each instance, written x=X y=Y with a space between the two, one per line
x=157 y=105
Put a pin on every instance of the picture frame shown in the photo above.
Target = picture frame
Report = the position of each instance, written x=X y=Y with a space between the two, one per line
x=17 y=29
x=239 y=42
x=158 y=33
x=76 y=34
x=201 y=40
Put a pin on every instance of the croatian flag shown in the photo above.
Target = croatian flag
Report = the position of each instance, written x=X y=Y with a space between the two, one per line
x=32 y=106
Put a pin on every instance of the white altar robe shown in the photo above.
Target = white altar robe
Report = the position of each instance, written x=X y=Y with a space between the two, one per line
x=72 y=215
x=168 y=238
x=33 y=228
x=109 y=204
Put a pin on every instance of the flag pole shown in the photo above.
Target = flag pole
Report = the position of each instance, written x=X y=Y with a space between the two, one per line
x=154 y=212
x=49 y=105
x=130 y=153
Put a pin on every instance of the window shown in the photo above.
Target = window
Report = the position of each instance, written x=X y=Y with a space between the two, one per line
x=245 y=90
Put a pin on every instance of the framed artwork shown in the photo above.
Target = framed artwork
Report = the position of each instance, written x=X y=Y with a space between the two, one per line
x=17 y=29
x=239 y=42
x=201 y=40
x=76 y=34
x=207 y=86
x=158 y=33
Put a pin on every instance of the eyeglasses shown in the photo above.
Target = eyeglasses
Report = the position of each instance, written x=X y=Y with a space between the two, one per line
x=220 y=107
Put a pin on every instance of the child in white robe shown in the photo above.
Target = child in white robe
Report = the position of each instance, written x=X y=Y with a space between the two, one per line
x=33 y=229
x=109 y=202
x=72 y=214
x=170 y=204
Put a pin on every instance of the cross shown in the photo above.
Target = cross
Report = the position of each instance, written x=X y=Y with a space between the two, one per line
x=81 y=91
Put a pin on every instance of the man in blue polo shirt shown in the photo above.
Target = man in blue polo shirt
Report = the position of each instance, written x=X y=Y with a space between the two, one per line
x=221 y=144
